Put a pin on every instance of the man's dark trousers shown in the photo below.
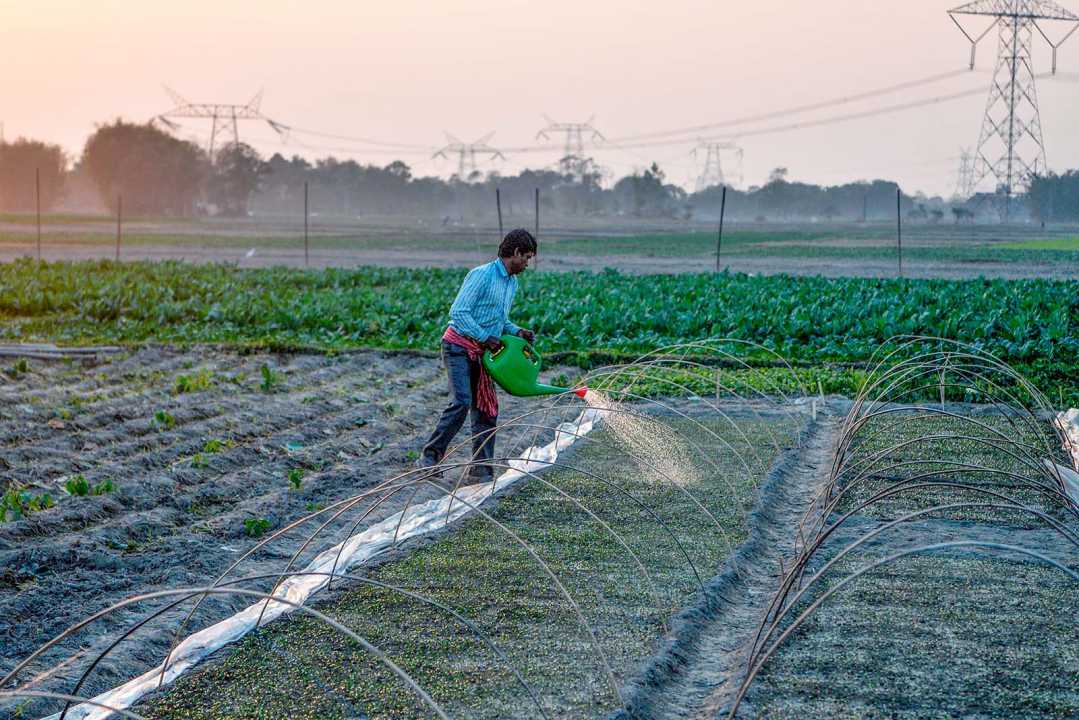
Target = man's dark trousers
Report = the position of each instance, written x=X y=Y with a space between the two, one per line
x=463 y=374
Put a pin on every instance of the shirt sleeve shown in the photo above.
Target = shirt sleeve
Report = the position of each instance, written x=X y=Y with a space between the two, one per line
x=461 y=315
x=508 y=327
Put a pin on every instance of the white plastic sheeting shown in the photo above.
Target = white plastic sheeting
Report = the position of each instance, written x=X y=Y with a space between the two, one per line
x=1069 y=425
x=418 y=520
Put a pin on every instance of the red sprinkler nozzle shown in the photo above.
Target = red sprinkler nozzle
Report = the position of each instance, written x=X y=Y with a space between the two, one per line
x=581 y=392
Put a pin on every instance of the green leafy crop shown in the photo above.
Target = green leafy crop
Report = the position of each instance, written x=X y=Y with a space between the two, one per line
x=201 y=380
x=270 y=379
x=16 y=504
x=1030 y=324
x=256 y=527
x=164 y=420
x=79 y=487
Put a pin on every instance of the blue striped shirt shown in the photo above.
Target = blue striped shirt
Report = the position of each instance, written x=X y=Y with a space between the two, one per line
x=482 y=306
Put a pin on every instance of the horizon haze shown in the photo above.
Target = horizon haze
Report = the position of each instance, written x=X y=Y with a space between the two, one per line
x=405 y=74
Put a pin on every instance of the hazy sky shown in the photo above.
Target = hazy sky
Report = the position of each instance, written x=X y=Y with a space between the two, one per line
x=405 y=71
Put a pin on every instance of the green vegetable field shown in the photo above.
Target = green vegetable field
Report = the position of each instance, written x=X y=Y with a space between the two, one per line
x=1031 y=324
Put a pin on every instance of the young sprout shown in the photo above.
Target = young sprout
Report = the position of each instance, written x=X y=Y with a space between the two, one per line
x=256 y=527
x=164 y=420
x=270 y=379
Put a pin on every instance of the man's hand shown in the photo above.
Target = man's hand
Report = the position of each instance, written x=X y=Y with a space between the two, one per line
x=492 y=343
x=527 y=335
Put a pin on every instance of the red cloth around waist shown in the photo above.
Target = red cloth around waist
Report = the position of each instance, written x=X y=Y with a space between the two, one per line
x=486 y=398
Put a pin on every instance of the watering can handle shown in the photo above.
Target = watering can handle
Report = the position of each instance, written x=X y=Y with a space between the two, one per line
x=530 y=352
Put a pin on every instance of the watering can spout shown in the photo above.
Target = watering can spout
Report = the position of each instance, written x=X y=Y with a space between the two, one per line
x=516 y=366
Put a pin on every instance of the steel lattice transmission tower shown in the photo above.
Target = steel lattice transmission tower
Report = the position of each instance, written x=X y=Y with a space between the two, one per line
x=712 y=172
x=224 y=118
x=965 y=184
x=466 y=153
x=573 y=158
x=1010 y=146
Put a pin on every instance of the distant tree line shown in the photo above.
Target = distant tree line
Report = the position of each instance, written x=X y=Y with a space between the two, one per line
x=1055 y=197
x=160 y=175
x=780 y=200
x=19 y=161
x=155 y=173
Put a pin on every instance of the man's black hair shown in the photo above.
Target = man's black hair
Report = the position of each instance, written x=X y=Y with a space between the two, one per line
x=517 y=240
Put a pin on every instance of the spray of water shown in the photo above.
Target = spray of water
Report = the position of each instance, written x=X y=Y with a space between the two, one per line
x=668 y=458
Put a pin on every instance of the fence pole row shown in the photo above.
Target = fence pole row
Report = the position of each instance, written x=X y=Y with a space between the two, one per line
x=498 y=207
x=719 y=235
x=498 y=204
x=119 y=223
x=37 y=204
x=899 y=228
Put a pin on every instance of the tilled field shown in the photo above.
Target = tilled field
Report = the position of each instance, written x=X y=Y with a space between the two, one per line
x=194 y=444
x=573 y=664
x=971 y=630
x=903 y=568
x=198 y=444
x=889 y=557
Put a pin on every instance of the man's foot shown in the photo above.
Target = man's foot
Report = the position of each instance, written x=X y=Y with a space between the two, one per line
x=427 y=461
x=477 y=475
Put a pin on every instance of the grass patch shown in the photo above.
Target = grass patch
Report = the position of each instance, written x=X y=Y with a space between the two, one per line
x=1069 y=244
x=694 y=244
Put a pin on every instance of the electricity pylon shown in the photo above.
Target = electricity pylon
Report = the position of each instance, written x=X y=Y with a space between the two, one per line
x=573 y=159
x=224 y=118
x=1010 y=146
x=964 y=184
x=712 y=173
x=466 y=153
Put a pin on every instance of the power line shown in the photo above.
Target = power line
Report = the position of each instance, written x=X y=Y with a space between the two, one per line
x=620 y=142
x=804 y=124
x=363 y=140
x=798 y=109
x=617 y=145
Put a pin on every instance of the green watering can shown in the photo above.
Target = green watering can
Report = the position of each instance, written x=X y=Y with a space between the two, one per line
x=516 y=369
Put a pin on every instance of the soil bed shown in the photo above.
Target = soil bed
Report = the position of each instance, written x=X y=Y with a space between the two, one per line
x=955 y=632
x=195 y=444
x=963 y=631
x=301 y=669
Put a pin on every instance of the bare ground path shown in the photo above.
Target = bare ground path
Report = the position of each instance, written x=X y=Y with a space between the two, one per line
x=552 y=260
x=698 y=673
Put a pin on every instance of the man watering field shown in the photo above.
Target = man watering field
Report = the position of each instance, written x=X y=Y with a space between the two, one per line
x=478 y=316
